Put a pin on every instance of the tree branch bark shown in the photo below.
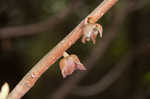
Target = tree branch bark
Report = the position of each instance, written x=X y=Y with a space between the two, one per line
x=53 y=55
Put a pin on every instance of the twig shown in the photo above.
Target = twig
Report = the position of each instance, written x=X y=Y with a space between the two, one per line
x=97 y=53
x=51 y=57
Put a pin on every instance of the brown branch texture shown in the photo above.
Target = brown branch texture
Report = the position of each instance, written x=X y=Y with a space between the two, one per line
x=53 y=55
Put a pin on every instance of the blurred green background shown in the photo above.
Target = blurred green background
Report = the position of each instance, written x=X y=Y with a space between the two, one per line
x=127 y=24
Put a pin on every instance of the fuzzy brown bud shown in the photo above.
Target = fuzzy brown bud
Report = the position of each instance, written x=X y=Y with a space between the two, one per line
x=69 y=64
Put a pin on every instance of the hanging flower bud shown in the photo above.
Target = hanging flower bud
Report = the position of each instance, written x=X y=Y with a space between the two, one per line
x=91 y=30
x=69 y=64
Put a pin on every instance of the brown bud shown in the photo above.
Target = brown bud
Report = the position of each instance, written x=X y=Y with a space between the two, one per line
x=91 y=30
x=69 y=64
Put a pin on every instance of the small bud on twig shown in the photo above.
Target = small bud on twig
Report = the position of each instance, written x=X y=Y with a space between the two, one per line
x=69 y=64
x=91 y=30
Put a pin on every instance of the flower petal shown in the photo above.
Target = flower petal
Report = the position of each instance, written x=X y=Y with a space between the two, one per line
x=69 y=64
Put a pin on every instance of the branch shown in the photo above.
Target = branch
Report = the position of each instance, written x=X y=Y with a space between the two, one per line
x=52 y=56
x=96 y=54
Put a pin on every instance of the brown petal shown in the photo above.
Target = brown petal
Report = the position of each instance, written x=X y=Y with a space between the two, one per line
x=83 y=40
x=93 y=37
x=69 y=64
x=79 y=65
x=100 y=29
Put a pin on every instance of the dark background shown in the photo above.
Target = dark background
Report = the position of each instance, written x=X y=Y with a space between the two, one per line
x=120 y=61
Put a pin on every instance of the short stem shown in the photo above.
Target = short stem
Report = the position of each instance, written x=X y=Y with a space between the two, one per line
x=65 y=54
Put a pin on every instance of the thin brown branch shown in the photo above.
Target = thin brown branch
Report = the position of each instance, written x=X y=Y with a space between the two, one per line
x=52 y=56
x=71 y=84
x=96 y=54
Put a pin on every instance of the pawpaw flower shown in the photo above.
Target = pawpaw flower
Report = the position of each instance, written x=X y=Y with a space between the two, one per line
x=69 y=64
x=91 y=30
